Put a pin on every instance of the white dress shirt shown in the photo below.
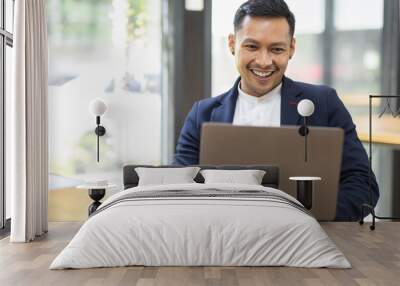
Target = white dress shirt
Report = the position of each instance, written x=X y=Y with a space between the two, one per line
x=258 y=111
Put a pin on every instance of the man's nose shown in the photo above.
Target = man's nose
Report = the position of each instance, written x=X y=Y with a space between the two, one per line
x=264 y=59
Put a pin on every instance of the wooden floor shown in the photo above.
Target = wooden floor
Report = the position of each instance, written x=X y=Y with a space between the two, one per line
x=375 y=257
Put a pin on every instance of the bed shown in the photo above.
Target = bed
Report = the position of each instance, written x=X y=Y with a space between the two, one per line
x=201 y=224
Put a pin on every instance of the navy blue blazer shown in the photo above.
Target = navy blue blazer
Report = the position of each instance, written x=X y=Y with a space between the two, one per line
x=329 y=111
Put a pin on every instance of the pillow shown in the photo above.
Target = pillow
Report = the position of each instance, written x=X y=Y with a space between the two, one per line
x=248 y=177
x=164 y=176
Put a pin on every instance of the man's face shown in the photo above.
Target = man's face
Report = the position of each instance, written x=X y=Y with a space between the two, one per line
x=262 y=49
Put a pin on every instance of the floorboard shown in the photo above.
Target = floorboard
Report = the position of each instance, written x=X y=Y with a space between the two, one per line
x=375 y=257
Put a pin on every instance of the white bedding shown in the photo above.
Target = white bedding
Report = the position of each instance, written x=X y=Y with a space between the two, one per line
x=200 y=231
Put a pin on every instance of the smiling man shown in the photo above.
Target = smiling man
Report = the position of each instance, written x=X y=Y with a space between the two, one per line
x=262 y=44
x=262 y=48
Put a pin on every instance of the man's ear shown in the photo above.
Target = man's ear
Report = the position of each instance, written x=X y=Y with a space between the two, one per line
x=292 y=47
x=231 y=43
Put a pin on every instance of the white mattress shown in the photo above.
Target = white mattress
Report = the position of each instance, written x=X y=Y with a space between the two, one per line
x=200 y=231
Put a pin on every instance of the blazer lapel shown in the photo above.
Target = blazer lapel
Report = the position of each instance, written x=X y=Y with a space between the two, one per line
x=290 y=97
x=226 y=110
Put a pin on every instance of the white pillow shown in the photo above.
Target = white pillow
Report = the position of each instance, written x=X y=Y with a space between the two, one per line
x=248 y=177
x=165 y=176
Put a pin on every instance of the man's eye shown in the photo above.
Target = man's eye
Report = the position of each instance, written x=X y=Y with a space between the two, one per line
x=278 y=50
x=252 y=47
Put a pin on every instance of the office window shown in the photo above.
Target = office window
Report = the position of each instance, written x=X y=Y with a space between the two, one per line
x=307 y=63
x=6 y=43
x=350 y=16
x=111 y=50
x=8 y=81
x=356 y=71
x=224 y=72
x=9 y=12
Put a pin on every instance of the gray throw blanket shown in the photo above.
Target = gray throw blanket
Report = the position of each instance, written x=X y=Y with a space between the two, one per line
x=206 y=194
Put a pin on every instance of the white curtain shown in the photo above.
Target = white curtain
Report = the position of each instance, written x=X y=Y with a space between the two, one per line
x=27 y=131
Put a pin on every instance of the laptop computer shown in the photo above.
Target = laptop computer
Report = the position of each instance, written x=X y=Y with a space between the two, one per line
x=226 y=144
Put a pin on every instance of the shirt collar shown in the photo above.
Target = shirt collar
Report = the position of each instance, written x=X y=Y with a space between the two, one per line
x=268 y=96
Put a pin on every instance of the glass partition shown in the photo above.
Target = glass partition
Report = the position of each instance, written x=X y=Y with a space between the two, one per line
x=107 y=49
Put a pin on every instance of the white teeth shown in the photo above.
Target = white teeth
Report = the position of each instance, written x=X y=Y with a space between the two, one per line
x=263 y=74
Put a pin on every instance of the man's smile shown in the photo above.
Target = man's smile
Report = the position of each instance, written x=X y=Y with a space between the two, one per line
x=262 y=74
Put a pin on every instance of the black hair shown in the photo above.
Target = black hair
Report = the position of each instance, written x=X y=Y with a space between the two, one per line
x=264 y=8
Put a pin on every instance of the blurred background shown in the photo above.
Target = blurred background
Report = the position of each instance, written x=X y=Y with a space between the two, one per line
x=150 y=60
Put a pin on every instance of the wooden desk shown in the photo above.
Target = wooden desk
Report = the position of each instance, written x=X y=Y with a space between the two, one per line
x=374 y=255
x=385 y=130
